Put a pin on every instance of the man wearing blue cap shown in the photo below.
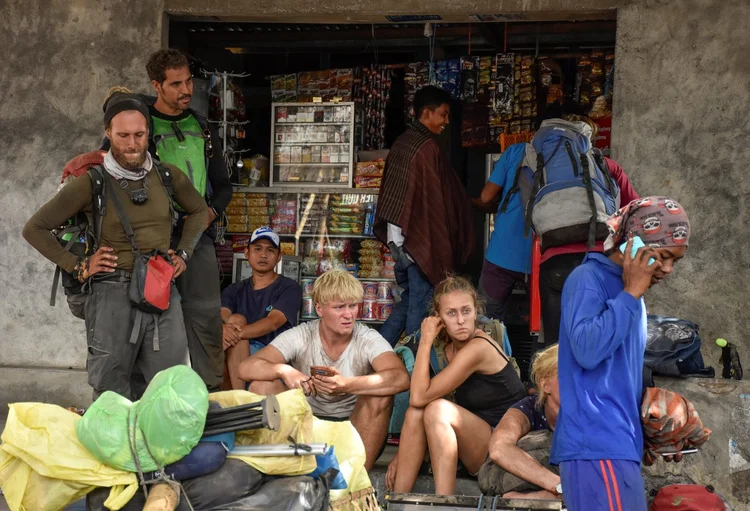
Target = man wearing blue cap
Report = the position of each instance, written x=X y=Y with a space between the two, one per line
x=258 y=309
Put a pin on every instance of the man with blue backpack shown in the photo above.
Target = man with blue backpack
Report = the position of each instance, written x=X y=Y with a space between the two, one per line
x=508 y=257
x=559 y=260
x=567 y=189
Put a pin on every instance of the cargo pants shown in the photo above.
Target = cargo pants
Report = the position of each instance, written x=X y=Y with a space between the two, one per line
x=127 y=347
x=200 y=290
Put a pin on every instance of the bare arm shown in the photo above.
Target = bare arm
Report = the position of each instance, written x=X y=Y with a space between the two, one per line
x=269 y=365
x=504 y=451
x=270 y=323
x=489 y=199
x=390 y=378
x=424 y=390
x=266 y=365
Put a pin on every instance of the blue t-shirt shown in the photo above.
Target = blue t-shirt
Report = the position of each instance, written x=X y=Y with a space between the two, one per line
x=600 y=366
x=509 y=247
x=283 y=295
x=537 y=419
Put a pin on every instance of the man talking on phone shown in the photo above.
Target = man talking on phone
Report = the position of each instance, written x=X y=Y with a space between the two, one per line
x=598 y=440
x=347 y=370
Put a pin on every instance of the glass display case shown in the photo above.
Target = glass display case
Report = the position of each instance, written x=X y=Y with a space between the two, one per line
x=320 y=228
x=312 y=143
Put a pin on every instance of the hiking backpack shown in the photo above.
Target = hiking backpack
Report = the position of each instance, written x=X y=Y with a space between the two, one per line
x=673 y=348
x=81 y=237
x=565 y=185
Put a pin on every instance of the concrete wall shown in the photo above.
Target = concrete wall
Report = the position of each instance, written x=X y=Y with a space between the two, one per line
x=680 y=129
x=59 y=59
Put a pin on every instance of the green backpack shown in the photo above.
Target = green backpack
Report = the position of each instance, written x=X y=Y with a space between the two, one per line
x=183 y=144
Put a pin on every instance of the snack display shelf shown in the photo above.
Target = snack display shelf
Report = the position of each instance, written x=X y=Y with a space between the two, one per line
x=312 y=144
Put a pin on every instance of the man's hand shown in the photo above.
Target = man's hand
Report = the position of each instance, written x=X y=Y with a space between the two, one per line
x=390 y=474
x=294 y=379
x=232 y=335
x=103 y=261
x=636 y=272
x=332 y=385
x=676 y=458
x=211 y=217
x=431 y=327
x=178 y=262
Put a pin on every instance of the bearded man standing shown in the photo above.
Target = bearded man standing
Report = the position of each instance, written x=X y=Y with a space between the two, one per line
x=184 y=138
x=122 y=339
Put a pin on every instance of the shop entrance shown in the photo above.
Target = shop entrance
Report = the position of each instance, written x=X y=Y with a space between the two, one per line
x=307 y=112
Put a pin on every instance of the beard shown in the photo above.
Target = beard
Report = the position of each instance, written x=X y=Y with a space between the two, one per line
x=129 y=160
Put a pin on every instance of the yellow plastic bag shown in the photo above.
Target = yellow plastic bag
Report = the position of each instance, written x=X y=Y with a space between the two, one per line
x=43 y=466
x=350 y=453
x=296 y=422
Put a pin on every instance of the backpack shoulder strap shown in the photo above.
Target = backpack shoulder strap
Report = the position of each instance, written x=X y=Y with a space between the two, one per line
x=202 y=121
x=98 y=201
x=514 y=188
x=166 y=178
x=121 y=213
x=602 y=164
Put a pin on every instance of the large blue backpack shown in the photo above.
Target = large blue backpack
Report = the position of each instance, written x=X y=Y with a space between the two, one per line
x=565 y=185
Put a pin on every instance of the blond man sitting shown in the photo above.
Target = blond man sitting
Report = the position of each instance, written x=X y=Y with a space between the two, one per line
x=347 y=370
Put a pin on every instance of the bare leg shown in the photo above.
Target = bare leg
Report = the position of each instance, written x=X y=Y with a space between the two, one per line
x=370 y=418
x=452 y=433
x=267 y=388
x=411 y=450
x=237 y=353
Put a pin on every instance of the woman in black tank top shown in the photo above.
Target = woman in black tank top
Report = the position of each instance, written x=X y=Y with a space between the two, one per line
x=485 y=386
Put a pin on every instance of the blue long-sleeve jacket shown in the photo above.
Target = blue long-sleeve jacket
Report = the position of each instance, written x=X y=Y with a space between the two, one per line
x=602 y=341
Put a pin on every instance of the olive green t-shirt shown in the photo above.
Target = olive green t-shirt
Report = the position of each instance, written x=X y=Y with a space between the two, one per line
x=151 y=221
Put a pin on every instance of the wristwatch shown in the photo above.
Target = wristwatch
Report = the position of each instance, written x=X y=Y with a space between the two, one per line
x=557 y=490
x=183 y=254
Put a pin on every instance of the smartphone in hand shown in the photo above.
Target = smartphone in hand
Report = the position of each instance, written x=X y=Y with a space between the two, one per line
x=637 y=244
x=691 y=450
x=320 y=371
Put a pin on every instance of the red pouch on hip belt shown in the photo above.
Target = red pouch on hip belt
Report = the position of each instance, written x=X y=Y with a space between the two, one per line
x=151 y=283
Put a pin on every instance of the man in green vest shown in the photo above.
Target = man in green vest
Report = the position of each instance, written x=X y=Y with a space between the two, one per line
x=185 y=139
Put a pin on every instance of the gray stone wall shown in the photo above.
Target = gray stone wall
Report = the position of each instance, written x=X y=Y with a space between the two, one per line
x=680 y=129
x=59 y=59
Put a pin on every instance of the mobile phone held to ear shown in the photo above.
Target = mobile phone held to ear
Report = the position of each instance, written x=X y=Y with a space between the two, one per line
x=637 y=244
x=320 y=371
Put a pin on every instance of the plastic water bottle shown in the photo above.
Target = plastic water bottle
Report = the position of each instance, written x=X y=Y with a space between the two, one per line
x=730 y=360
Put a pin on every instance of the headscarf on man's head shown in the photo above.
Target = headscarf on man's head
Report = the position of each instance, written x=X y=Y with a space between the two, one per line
x=659 y=221
x=121 y=101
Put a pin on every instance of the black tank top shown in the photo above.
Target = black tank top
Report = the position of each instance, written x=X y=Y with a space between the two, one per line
x=488 y=396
